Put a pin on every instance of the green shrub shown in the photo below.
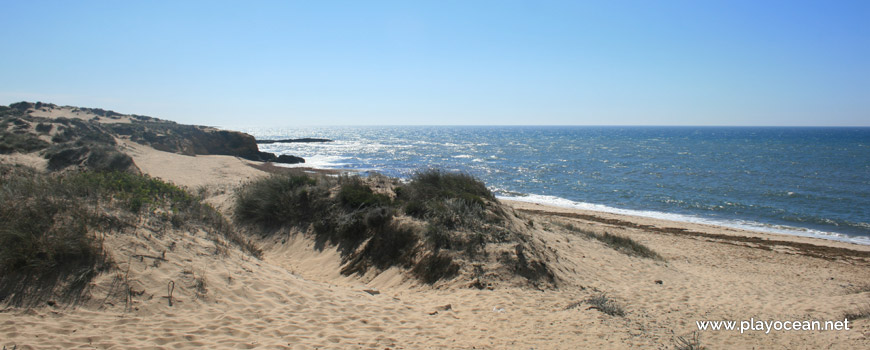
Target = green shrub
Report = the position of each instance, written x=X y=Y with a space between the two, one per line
x=82 y=132
x=452 y=200
x=454 y=213
x=21 y=143
x=378 y=217
x=435 y=267
x=455 y=208
x=280 y=200
x=133 y=190
x=439 y=237
x=46 y=239
x=49 y=225
x=21 y=106
x=45 y=233
x=440 y=184
x=356 y=195
x=391 y=245
x=44 y=128
x=89 y=155
x=351 y=227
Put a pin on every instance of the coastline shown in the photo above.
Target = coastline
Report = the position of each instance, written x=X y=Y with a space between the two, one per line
x=734 y=224
x=828 y=248
x=766 y=189
x=294 y=295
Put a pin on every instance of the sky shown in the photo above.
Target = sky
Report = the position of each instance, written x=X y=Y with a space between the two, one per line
x=306 y=63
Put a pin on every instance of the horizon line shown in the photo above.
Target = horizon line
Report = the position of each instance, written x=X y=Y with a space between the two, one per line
x=544 y=125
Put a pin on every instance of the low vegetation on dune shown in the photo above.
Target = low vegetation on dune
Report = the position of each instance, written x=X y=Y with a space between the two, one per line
x=52 y=226
x=861 y=312
x=64 y=142
x=436 y=226
x=14 y=135
x=433 y=225
x=86 y=137
x=622 y=244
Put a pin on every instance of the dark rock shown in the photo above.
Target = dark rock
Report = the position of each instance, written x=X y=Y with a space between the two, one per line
x=288 y=159
x=198 y=140
x=302 y=140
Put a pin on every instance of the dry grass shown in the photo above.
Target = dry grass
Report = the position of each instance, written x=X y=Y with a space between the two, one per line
x=860 y=313
x=622 y=244
x=52 y=224
x=606 y=305
x=693 y=342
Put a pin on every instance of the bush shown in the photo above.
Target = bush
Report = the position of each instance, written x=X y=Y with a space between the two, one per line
x=389 y=246
x=452 y=200
x=455 y=208
x=21 y=106
x=606 y=305
x=280 y=200
x=91 y=156
x=22 y=143
x=434 y=185
x=44 y=128
x=435 y=267
x=356 y=195
x=105 y=158
x=82 y=132
x=48 y=225
x=46 y=239
x=354 y=216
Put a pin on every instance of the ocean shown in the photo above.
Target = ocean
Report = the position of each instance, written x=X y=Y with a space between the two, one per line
x=798 y=181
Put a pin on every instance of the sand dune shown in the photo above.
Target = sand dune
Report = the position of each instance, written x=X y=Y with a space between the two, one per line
x=295 y=298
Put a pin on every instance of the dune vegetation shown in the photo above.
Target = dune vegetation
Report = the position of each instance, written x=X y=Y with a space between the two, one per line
x=434 y=225
x=52 y=225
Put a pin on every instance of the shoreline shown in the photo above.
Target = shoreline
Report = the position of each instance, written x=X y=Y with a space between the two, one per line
x=812 y=235
x=540 y=280
x=749 y=226
x=811 y=246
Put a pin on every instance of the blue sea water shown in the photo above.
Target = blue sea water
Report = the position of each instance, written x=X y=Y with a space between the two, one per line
x=802 y=181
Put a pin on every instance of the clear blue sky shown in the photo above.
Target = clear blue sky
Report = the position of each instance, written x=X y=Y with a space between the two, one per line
x=251 y=63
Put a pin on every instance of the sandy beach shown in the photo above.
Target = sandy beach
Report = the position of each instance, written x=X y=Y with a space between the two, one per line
x=295 y=297
x=403 y=175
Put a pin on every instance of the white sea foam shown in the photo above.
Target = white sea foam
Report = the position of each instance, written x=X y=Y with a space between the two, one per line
x=318 y=162
x=738 y=224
